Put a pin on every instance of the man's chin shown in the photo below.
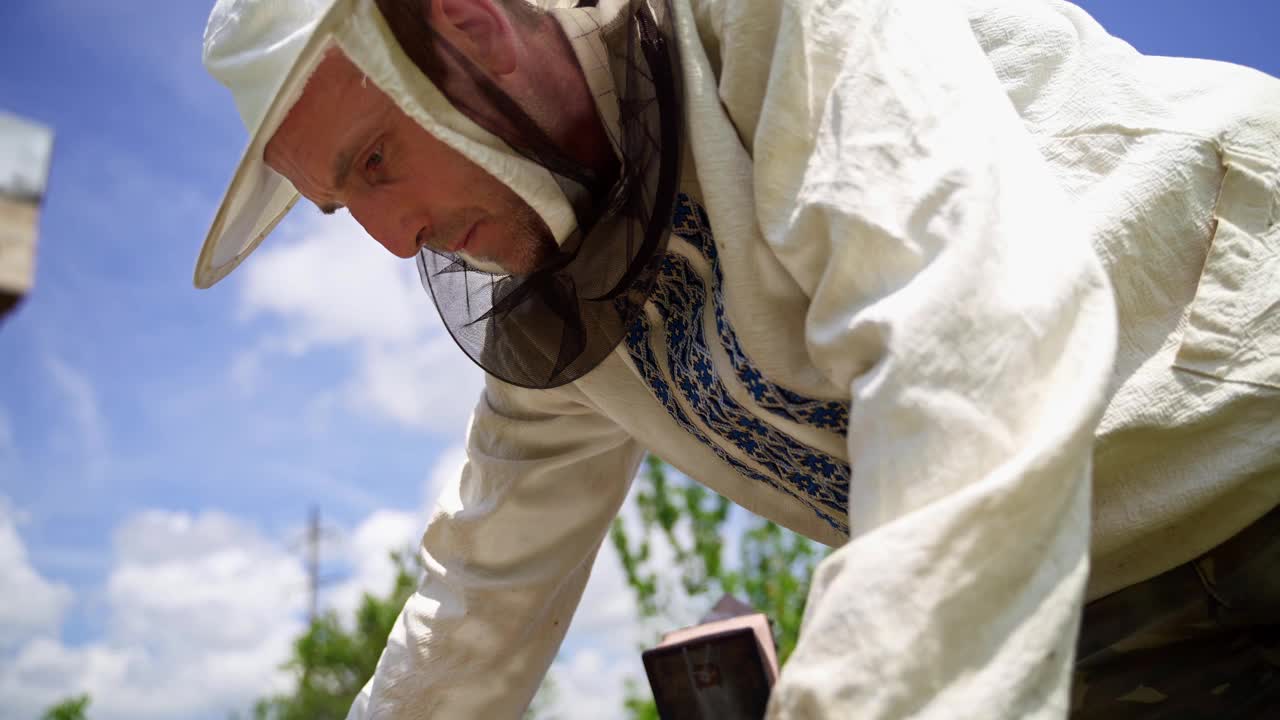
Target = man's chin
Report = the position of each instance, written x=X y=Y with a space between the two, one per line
x=518 y=260
x=486 y=265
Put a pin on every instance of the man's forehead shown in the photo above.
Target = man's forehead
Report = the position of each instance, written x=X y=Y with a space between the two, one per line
x=335 y=100
x=329 y=86
x=316 y=139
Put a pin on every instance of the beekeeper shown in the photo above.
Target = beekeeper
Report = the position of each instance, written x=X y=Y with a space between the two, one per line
x=856 y=265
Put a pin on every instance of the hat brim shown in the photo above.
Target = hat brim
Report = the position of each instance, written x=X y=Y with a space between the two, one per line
x=258 y=198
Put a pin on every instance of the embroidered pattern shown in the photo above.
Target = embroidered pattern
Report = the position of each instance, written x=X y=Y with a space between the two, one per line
x=815 y=478
x=690 y=223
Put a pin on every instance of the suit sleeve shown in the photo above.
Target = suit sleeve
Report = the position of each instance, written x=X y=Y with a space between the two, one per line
x=955 y=296
x=507 y=553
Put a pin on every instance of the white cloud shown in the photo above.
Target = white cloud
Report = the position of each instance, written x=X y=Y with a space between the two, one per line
x=32 y=605
x=447 y=469
x=333 y=284
x=607 y=614
x=601 y=650
x=428 y=385
x=246 y=371
x=206 y=581
x=330 y=285
x=589 y=684
x=367 y=551
x=82 y=405
x=201 y=612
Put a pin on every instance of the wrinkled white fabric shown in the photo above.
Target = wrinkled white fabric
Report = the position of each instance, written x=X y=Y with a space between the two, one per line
x=1172 y=163
x=921 y=208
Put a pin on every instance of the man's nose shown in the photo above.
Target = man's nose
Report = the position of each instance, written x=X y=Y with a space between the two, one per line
x=393 y=228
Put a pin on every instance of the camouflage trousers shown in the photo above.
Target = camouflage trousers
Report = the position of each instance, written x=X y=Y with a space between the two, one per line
x=1200 y=641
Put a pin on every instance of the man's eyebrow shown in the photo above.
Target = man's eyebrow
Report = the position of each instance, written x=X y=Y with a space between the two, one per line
x=342 y=167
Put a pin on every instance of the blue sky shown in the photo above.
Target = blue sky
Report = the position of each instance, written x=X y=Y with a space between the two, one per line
x=153 y=436
x=145 y=142
x=126 y=392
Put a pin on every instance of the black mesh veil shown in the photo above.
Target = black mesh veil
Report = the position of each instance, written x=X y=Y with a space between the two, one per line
x=551 y=326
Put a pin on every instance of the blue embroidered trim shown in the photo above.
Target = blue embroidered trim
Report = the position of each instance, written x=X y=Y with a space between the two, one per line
x=690 y=223
x=815 y=478
x=642 y=354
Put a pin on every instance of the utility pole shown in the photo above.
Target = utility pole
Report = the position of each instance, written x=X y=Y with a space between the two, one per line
x=312 y=538
x=313 y=564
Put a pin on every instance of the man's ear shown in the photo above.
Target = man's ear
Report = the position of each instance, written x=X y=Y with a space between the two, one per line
x=481 y=29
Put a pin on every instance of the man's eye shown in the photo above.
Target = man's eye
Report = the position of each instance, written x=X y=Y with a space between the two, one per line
x=375 y=160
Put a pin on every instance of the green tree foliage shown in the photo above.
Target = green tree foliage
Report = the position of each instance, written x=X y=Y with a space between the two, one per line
x=676 y=560
x=73 y=708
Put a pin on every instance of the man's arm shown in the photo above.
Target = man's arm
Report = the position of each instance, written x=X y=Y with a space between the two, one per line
x=507 y=554
x=957 y=300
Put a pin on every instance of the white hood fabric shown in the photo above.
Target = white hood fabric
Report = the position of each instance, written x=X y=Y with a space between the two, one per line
x=264 y=51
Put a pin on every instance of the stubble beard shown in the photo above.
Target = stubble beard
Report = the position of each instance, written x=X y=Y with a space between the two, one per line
x=530 y=244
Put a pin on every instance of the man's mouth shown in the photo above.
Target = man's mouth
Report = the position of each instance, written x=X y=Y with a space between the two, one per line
x=462 y=243
x=424 y=241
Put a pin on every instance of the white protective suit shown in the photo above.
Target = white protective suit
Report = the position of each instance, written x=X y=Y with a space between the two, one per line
x=905 y=231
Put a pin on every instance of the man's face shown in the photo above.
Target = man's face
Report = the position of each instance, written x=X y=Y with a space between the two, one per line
x=346 y=144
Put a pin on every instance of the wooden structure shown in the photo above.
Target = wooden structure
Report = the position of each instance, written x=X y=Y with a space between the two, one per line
x=720 y=669
x=25 y=150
